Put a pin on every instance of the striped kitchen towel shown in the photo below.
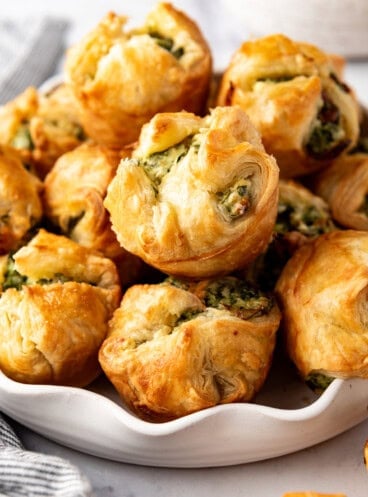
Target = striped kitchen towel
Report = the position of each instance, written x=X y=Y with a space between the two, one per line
x=30 y=51
x=31 y=474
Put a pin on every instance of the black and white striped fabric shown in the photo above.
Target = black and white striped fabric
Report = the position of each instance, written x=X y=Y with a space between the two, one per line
x=31 y=474
x=30 y=51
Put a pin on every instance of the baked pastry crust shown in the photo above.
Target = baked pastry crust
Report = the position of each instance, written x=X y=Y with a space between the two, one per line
x=41 y=127
x=199 y=196
x=322 y=293
x=122 y=78
x=344 y=186
x=171 y=352
x=20 y=200
x=311 y=494
x=292 y=93
x=74 y=191
x=52 y=324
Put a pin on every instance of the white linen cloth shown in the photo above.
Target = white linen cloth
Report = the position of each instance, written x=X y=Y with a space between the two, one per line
x=31 y=474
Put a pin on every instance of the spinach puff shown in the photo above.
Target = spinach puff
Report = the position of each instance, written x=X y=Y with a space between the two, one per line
x=323 y=294
x=174 y=348
x=56 y=299
x=41 y=126
x=344 y=186
x=74 y=191
x=293 y=94
x=121 y=78
x=20 y=200
x=199 y=196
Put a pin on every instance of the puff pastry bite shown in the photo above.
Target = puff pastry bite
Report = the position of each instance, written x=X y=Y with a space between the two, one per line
x=55 y=129
x=322 y=293
x=199 y=196
x=56 y=300
x=74 y=191
x=41 y=126
x=301 y=216
x=121 y=77
x=175 y=348
x=294 y=96
x=366 y=454
x=344 y=186
x=20 y=200
x=311 y=494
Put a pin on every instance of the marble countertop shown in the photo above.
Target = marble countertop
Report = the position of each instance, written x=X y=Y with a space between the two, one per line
x=333 y=466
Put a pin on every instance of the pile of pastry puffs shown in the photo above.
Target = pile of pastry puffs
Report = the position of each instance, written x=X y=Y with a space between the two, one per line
x=166 y=226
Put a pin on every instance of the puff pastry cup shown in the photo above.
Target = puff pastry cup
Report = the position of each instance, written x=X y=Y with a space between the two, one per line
x=41 y=126
x=311 y=494
x=175 y=348
x=344 y=186
x=74 y=191
x=121 y=78
x=293 y=94
x=301 y=217
x=199 y=196
x=322 y=293
x=56 y=300
x=20 y=200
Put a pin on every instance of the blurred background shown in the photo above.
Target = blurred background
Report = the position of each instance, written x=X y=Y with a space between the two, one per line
x=339 y=26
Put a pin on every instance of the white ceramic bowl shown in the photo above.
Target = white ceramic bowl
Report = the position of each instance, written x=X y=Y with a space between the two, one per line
x=286 y=417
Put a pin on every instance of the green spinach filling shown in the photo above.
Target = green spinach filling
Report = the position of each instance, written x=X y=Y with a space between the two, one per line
x=236 y=200
x=167 y=44
x=157 y=165
x=305 y=219
x=327 y=139
x=14 y=279
x=22 y=139
x=318 y=382
x=238 y=297
x=276 y=79
x=69 y=127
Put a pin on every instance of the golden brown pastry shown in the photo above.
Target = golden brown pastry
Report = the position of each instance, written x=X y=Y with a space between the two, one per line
x=301 y=216
x=293 y=95
x=74 y=193
x=199 y=196
x=41 y=126
x=55 y=129
x=121 y=78
x=175 y=348
x=56 y=300
x=322 y=293
x=311 y=494
x=344 y=186
x=73 y=196
x=20 y=201
x=366 y=454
